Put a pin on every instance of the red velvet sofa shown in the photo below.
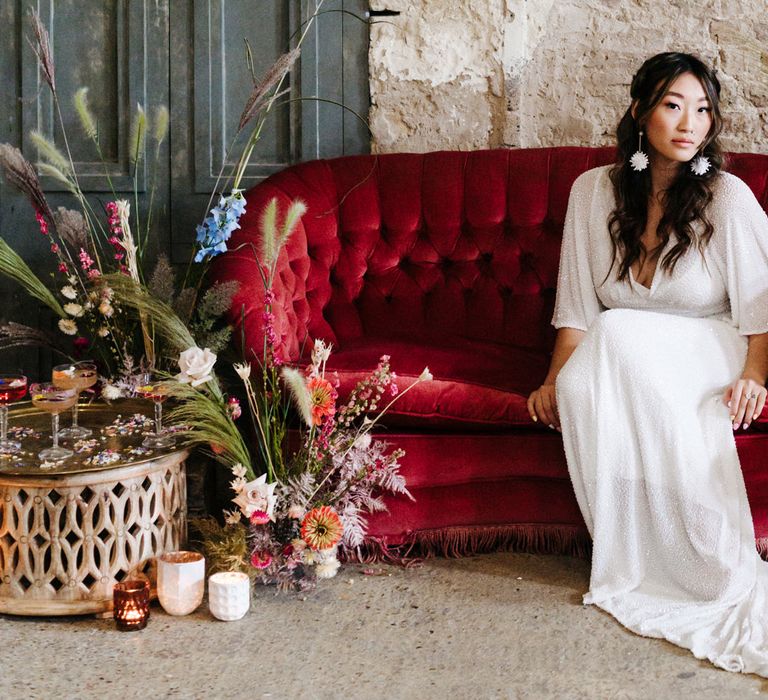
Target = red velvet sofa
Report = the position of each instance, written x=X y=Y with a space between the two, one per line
x=450 y=260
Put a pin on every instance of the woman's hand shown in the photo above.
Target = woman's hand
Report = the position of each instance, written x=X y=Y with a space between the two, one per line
x=542 y=406
x=746 y=399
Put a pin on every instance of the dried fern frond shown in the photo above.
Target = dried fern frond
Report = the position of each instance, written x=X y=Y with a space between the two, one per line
x=48 y=151
x=12 y=266
x=261 y=90
x=87 y=120
x=20 y=173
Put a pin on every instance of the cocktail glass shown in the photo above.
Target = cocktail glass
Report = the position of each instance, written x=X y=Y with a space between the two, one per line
x=54 y=400
x=77 y=376
x=152 y=387
x=13 y=386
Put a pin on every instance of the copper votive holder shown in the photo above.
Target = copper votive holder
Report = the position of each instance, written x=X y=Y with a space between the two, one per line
x=131 y=604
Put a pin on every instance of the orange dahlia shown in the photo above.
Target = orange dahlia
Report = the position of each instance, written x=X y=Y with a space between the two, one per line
x=323 y=398
x=321 y=528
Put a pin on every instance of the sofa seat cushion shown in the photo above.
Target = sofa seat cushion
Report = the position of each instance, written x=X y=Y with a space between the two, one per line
x=477 y=385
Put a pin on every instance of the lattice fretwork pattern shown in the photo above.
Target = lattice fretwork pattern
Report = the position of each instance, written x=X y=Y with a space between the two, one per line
x=65 y=540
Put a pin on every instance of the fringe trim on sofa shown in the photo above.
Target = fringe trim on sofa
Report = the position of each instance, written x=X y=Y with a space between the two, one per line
x=569 y=540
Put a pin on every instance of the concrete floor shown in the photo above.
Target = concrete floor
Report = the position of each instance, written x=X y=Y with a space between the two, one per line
x=491 y=626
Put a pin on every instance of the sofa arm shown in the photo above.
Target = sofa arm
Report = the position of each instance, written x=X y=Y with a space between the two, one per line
x=300 y=285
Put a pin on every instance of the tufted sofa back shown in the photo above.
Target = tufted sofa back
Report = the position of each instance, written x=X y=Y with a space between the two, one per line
x=426 y=245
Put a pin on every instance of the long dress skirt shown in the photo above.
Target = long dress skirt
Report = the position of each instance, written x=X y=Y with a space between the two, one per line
x=653 y=461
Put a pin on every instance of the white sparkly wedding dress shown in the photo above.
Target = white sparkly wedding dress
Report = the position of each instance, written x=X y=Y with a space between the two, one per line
x=649 y=443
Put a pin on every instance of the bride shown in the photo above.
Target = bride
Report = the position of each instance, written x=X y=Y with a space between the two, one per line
x=661 y=353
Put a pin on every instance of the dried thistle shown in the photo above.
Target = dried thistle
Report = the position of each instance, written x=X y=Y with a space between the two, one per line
x=47 y=151
x=261 y=90
x=161 y=283
x=42 y=49
x=20 y=173
x=72 y=228
x=87 y=120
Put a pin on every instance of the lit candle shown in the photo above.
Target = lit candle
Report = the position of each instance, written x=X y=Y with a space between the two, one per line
x=131 y=605
x=229 y=595
x=180 y=581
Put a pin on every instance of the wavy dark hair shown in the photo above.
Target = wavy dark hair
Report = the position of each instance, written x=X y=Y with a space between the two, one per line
x=686 y=200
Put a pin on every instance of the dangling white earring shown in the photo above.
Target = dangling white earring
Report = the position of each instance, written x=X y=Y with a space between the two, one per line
x=700 y=165
x=639 y=161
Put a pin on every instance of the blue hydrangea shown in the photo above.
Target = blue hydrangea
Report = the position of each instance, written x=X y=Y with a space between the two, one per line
x=216 y=229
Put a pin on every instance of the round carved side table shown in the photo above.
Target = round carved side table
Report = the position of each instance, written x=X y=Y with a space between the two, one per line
x=69 y=531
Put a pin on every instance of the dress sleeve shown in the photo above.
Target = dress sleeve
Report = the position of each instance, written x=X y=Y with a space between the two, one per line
x=576 y=305
x=746 y=258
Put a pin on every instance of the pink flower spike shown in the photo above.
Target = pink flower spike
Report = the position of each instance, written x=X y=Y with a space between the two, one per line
x=63 y=268
x=54 y=248
x=93 y=274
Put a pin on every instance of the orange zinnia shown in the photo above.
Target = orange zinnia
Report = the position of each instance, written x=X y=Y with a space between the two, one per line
x=321 y=528
x=323 y=398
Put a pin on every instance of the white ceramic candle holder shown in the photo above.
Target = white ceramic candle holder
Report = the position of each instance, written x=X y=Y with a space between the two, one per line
x=229 y=595
x=180 y=581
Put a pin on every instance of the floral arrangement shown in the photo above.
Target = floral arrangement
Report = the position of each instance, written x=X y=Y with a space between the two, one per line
x=294 y=510
x=290 y=523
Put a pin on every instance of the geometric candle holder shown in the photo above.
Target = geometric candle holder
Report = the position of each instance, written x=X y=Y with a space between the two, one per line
x=131 y=604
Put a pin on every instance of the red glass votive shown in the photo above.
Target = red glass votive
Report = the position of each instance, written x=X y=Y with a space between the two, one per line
x=131 y=605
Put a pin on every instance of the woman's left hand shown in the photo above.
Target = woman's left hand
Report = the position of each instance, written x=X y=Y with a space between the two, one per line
x=745 y=398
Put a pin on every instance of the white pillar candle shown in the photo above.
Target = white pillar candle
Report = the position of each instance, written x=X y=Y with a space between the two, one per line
x=180 y=581
x=229 y=595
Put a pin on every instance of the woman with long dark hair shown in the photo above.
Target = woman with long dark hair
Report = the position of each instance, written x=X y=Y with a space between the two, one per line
x=661 y=353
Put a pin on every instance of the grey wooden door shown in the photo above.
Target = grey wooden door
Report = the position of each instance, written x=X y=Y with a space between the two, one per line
x=189 y=55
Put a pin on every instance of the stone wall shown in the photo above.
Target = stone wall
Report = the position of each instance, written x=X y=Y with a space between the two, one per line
x=456 y=74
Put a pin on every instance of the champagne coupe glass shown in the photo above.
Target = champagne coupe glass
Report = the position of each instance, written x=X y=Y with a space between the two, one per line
x=77 y=376
x=151 y=387
x=51 y=398
x=12 y=388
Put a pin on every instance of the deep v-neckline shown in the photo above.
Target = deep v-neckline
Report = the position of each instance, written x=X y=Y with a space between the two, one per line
x=655 y=270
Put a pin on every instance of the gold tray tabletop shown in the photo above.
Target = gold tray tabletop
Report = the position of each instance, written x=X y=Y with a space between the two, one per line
x=119 y=427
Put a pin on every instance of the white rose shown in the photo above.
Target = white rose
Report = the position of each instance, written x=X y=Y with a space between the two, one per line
x=257 y=495
x=196 y=365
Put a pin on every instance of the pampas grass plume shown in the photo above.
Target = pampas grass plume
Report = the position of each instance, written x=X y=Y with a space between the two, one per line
x=87 y=120
x=161 y=124
x=269 y=232
x=138 y=134
x=48 y=152
x=298 y=386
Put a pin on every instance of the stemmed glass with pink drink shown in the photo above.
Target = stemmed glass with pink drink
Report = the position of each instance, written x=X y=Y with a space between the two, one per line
x=77 y=376
x=13 y=386
x=54 y=400
x=151 y=387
